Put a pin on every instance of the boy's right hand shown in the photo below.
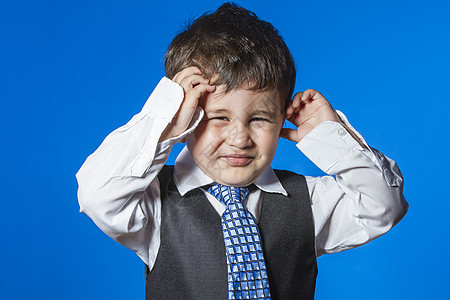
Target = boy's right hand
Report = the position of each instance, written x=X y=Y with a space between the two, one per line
x=194 y=86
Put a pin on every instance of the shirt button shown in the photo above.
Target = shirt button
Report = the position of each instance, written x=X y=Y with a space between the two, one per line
x=342 y=131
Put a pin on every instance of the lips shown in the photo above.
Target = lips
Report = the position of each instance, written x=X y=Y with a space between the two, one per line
x=237 y=159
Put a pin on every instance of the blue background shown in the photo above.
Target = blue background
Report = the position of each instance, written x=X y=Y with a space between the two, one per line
x=73 y=71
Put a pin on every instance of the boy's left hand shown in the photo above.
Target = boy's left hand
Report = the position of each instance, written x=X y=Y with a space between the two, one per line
x=307 y=110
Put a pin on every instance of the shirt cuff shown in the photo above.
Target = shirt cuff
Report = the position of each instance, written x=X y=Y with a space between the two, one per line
x=160 y=108
x=198 y=116
x=327 y=143
x=165 y=100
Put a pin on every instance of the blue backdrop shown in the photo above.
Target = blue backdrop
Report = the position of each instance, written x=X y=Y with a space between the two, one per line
x=73 y=71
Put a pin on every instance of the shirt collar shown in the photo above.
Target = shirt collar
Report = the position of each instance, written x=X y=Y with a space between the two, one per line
x=187 y=176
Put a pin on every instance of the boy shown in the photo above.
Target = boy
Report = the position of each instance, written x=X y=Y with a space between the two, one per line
x=222 y=221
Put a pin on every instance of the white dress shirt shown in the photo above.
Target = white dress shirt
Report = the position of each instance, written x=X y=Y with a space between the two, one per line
x=358 y=201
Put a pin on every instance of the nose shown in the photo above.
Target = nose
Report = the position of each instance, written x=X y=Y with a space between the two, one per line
x=238 y=135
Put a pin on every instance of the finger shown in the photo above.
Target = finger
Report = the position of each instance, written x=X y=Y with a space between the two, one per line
x=193 y=96
x=289 y=134
x=294 y=105
x=311 y=94
x=306 y=95
x=190 y=105
x=298 y=95
x=186 y=72
x=289 y=111
x=192 y=80
x=297 y=100
x=189 y=82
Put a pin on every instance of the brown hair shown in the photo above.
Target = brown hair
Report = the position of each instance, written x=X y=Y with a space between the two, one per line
x=234 y=47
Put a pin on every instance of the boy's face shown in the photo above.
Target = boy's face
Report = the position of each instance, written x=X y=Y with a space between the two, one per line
x=237 y=139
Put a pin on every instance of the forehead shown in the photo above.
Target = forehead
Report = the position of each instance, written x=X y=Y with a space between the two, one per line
x=242 y=99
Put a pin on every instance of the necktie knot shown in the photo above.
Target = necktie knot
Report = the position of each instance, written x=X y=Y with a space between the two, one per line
x=228 y=194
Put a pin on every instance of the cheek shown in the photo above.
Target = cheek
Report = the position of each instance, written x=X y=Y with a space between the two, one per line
x=271 y=146
x=206 y=132
x=268 y=140
x=199 y=131
x=204 y=139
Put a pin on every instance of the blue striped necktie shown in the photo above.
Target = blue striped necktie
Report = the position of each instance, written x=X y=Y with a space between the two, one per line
x=247 y=274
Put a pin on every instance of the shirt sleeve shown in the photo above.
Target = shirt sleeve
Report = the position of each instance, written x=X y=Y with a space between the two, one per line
x=118 y=186
x=360 y=199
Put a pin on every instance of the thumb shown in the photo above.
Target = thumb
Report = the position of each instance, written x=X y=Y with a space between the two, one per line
x=289 y=134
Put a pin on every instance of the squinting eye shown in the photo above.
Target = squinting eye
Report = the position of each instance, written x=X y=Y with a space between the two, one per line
x=259 y=120
x=220 y=118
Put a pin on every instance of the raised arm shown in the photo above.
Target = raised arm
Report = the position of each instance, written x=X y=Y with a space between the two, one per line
x=363 y=196
x=118 y=186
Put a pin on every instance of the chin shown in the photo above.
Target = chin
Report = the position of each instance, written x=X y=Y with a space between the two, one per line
x=235 y=184
x=237 y=180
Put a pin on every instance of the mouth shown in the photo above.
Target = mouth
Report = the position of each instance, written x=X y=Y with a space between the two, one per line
x=237 y=159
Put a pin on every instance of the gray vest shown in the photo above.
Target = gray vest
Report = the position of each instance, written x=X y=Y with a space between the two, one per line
x=191 y=262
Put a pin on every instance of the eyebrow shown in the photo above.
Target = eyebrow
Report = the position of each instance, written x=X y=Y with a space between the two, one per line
x=269 y=114
x=262 y=112
x=216 y=111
